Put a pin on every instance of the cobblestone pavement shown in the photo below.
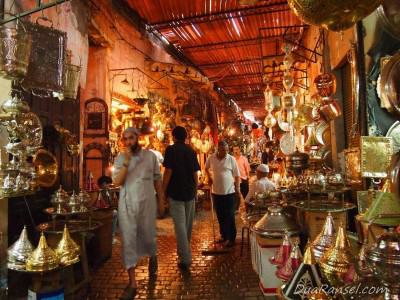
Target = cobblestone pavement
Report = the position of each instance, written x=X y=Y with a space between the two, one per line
x=227 y=276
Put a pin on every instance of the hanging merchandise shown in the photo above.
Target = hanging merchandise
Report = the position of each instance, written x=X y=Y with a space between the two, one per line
x=336 y=15
x=46 y=65
x=15 y=51
x=326 y=85
x=71 y=78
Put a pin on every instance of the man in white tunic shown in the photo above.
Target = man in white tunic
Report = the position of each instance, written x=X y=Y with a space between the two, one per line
x=137 y=172
x=262 y=184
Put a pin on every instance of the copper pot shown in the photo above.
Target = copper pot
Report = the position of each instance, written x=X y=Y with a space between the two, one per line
x=326 y=84
x=330 y=110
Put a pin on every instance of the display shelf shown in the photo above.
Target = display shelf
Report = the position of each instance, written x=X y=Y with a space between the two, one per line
x=323 y=205
x=25 y=271
x=51 y=211
x=57 y=226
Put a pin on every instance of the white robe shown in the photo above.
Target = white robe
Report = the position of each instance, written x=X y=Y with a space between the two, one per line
x=137 y=207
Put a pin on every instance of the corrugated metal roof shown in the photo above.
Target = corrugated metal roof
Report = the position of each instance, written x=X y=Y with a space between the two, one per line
x=233 y=45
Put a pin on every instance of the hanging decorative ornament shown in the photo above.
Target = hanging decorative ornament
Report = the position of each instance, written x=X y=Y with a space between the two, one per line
x=283 y=120
x=336 y=15
x=287 y=144
x=325 y=238
x=270 y=122
x=268 y=96
x=288 y=81
x=288 y=101
x=330 y=110
x=288 y=61
x=326 y=85
x=303 y=116
x=19 y=252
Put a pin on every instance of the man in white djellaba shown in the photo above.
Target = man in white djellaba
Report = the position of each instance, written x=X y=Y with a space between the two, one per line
x=137 y=172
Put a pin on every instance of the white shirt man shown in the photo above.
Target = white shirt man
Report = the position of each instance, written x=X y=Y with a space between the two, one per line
x=225 y=181
x=262 y=184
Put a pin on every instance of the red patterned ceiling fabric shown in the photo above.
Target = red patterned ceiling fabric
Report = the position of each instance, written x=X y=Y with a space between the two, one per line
x=233 y=45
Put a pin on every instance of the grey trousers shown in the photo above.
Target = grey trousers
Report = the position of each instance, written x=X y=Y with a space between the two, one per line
x=182 y=213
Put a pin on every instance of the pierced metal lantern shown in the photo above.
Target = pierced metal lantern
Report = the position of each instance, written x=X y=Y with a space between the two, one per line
x=72 y=74
x=15 y=50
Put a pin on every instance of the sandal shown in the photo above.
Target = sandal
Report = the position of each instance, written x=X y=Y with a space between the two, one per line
x=129 y=293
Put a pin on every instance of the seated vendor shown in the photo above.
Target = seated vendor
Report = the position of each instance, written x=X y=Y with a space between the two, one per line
x=262 y=184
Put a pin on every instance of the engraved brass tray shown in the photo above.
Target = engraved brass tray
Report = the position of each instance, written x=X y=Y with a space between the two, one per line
x=376 y=153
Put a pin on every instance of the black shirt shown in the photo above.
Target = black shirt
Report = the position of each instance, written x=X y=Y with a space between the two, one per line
x=182 y=160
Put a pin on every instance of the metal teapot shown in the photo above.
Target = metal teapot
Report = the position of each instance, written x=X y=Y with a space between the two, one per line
x=384 y=258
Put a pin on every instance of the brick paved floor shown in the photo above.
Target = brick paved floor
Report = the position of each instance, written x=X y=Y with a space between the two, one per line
x=228 y=276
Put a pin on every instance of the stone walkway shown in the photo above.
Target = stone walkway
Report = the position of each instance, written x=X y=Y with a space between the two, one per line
x=227 y=276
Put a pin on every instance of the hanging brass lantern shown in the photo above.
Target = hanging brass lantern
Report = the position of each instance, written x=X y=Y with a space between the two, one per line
x=15 y=51
x=43 y=258
x=335 y=15
x=19 y=252
x=67 y=250
x=72 y=74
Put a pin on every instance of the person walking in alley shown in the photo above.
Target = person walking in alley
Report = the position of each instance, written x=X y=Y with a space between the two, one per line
x=223 y=175
x=137 y=172
x=180 y=186
x=244 y=170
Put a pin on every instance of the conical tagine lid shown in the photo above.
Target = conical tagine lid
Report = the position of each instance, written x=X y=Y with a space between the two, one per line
x=19 y=252
x=336 y=262
x=307 y=277
x=43 y=258
x=325 y=239
x=67 y=250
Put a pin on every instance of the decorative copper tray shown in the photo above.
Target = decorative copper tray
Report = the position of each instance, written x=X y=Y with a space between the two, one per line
x=376 y=153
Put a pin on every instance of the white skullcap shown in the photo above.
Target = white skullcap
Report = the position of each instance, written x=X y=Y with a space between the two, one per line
x=263 y=168
x=132 y=130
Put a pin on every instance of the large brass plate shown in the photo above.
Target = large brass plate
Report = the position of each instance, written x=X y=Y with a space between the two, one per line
x=376 y=153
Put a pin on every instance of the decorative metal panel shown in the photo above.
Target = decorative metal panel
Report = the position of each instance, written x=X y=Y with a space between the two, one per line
x=45 y=71
x=376 y=154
